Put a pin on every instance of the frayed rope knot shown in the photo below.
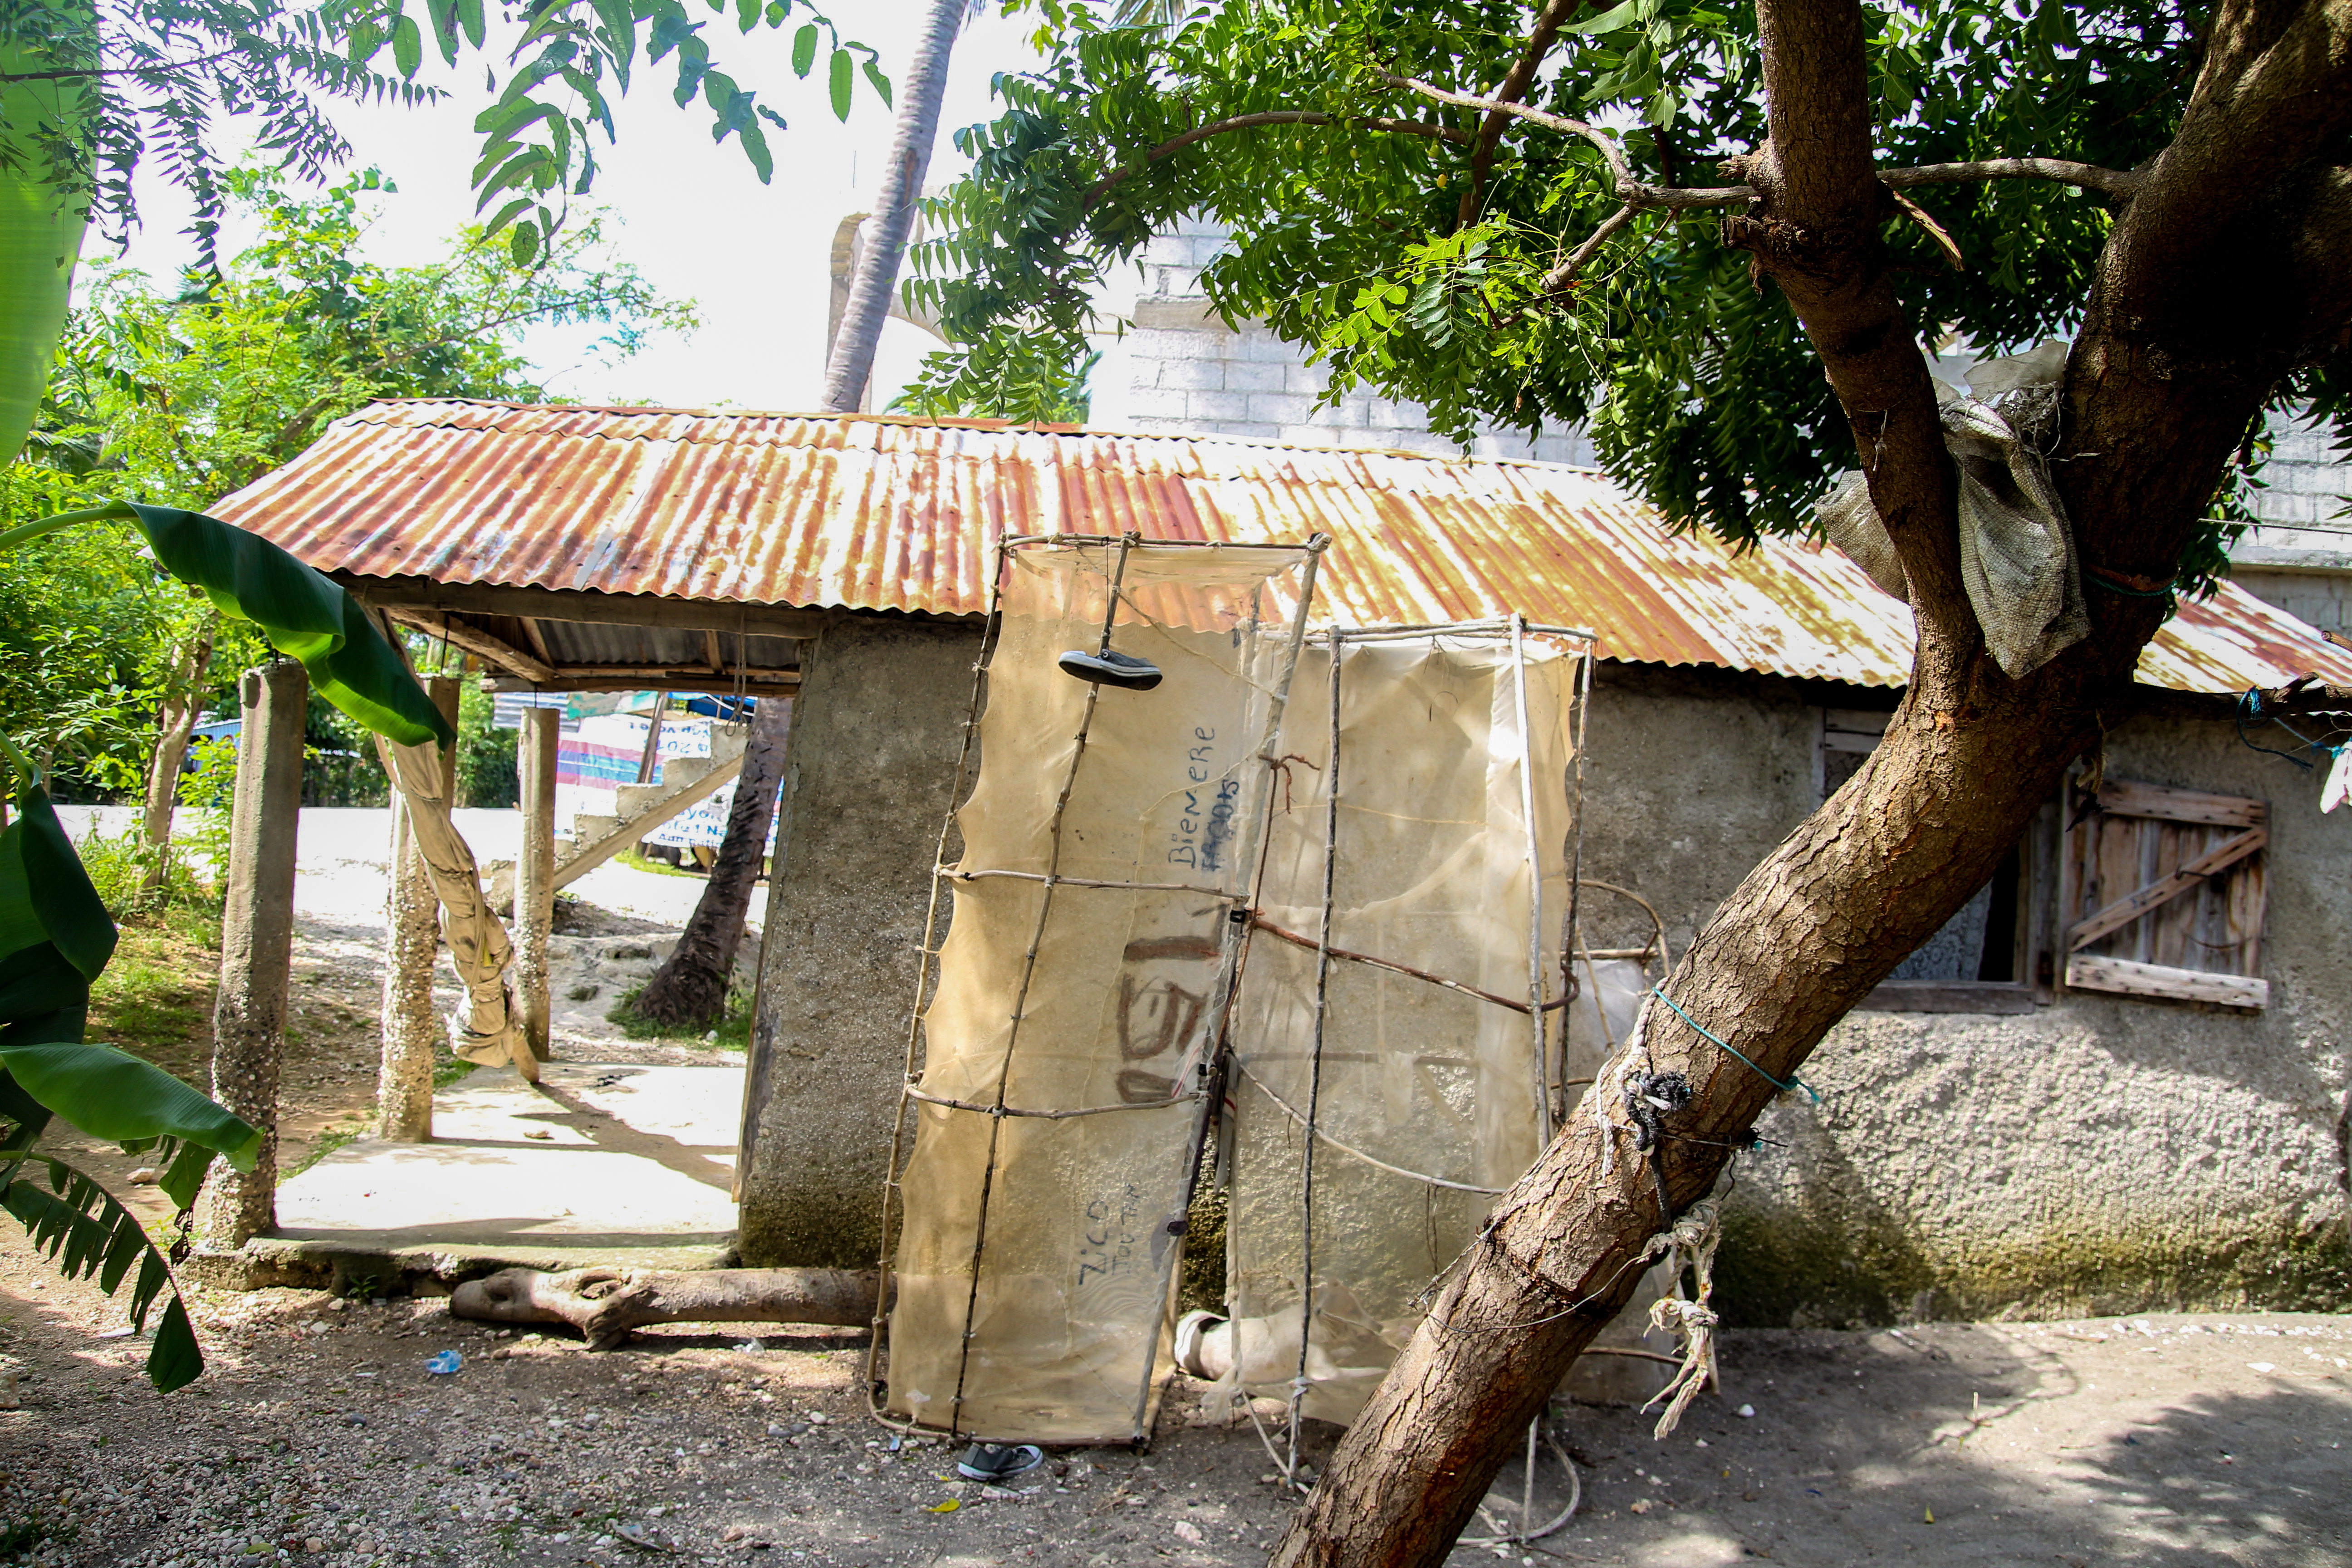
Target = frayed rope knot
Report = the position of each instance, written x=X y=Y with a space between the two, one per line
x=1690 y=1243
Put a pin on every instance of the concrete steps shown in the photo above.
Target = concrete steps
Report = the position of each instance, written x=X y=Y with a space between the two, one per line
x=596 y=837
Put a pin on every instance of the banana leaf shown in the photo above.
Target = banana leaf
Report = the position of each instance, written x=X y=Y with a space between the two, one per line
x=41 y=230
x=304 y=614
x=114 y=1095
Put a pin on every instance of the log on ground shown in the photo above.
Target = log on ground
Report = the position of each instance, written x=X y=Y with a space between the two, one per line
x=605 y=1304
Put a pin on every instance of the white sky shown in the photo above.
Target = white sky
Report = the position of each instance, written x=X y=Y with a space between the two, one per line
x=692 y=217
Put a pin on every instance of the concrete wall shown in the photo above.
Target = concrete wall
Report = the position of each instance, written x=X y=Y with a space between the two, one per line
x=871 y=765
x=1181 y=368
x=2098 y=1154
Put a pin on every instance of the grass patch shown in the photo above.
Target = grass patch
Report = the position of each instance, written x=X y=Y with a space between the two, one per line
x=335 y=1138
x=455 y=1069
x=636 y=861
x=156 y=997
x=732 y=1033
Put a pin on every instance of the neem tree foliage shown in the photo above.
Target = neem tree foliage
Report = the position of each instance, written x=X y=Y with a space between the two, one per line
x=1422 y=248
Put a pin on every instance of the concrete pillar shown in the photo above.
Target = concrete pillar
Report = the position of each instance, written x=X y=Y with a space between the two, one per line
x=868 y=774
x=534 y=907
x=412 y=1029
x=256 y=946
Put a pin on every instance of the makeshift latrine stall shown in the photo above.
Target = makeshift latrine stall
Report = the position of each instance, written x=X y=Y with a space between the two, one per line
x=1110 y=850
x=1397 y=1055
x=1337 y=910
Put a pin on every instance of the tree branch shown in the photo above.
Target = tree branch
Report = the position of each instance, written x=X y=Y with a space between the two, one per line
x=2117 y=183
x=1512 y=88
x=2120 y=183
x=1270 y=117
x=1559 y=277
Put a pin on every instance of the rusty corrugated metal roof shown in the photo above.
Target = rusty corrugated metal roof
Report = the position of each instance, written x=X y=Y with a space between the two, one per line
x=878 y=512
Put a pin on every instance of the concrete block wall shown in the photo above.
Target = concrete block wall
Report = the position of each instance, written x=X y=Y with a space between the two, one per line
x=2305 y=483
x=1179 y=368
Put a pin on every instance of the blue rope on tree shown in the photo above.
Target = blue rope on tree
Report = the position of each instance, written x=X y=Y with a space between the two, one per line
x=1794 y=1081
x=2249 y=705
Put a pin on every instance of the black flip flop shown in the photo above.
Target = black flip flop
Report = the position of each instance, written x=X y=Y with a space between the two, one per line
x=1123 y=670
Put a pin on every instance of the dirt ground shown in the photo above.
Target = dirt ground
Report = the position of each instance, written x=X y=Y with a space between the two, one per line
x=318 y=1437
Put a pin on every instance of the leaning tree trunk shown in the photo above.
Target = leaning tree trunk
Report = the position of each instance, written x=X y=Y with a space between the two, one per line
x=923 y=87
x=690 y=990
x=2222 y=271
x=176 y=723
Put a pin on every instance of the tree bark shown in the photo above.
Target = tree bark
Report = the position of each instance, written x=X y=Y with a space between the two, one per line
x=921 y=90
x=412 y=942
x=256 y=946
x=605 y=1304
x=690 y=990
x=2177 y=353
x=175 y=723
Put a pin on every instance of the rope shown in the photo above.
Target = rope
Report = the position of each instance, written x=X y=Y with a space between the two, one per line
x=2097 y=581
x=1794 y=1081
x=2249 y=705
x=1690 y=1242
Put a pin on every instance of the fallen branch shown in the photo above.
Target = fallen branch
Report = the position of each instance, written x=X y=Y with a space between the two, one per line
x=605 y=1304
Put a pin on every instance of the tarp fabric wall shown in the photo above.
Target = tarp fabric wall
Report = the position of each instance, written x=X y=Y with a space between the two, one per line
x=1036 y=1259
x=1426 y=1101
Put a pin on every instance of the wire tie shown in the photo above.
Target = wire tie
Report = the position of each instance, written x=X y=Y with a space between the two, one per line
x=1794 y=1081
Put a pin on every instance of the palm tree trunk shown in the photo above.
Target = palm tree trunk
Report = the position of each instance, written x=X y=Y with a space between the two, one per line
x=690 y=990
x=921 y=88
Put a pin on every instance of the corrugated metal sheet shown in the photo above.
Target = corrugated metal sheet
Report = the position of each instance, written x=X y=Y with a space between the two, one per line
x=877 y=513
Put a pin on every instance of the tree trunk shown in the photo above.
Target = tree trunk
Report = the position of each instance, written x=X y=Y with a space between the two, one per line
x=410 y=1029
x=690 y=990
x=920 y=91
x=605 y=1304
x=175 y=723
x=2178 y=351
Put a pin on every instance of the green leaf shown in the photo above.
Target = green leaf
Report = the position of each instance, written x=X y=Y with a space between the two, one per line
x=42 y=995
x=175 y=1360
x=185 y=1174
x=68 y=907
x=469 y=17
x=302 y=614
x=408 y=46
x=523 y=245
x=839 y=84
x=1608 y=21
x=747 y=15
x=755 y=147
x=507 y=214
x=804 y=50
x=82 y=1229
x=112 y=1094
x=443 y=16
x=881 y=83
x=246 y=576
